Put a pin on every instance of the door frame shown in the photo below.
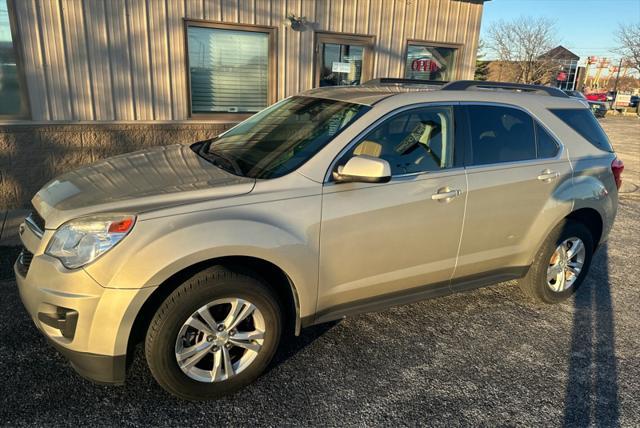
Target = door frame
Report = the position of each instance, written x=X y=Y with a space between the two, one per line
x=366 y=40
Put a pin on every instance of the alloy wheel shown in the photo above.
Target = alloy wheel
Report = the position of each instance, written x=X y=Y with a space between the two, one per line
x=220 y=340
x=565 y=264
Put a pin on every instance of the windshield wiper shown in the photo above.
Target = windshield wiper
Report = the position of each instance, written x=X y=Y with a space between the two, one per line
x=220 y=160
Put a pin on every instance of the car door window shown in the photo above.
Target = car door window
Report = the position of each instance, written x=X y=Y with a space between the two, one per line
x=500 y=134
x=547 y=145
x=418 y=140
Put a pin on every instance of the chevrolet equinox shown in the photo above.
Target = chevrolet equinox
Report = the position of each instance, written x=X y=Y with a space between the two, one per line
x=330 y=203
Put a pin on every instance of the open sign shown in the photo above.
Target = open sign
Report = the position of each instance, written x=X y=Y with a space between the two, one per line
x=425 y=64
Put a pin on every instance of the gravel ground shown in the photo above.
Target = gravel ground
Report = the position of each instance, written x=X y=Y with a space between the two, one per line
x=484 y=358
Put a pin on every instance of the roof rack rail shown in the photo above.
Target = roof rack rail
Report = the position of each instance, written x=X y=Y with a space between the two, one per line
x=462 y=85
x=401 y=81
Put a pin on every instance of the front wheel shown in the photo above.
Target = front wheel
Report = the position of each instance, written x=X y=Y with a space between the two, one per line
x=561 y=264
x=213 y=335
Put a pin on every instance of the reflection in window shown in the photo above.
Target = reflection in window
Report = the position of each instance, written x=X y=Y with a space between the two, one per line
x=282 y=137
x=11 y=103
x=501 y=134
x=228 y=70
x=419 y=140
x=430 y=63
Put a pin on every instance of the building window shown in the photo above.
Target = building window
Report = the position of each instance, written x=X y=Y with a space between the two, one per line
x=343 y=59
x=430 y=62
x=230 y=68
x=12 y=100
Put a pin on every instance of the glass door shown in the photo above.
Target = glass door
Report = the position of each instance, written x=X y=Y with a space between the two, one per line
x=343 y=60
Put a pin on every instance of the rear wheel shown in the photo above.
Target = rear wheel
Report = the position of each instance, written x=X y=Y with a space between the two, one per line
x=561 y=264
x=213 y=335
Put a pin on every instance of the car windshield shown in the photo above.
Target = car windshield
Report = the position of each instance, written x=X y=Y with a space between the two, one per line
x=280 y=138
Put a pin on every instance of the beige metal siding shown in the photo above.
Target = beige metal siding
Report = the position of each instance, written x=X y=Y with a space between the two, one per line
x=125 y=59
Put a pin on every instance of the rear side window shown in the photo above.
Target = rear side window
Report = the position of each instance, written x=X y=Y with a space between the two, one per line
x=585 y=123
x=500 y=134
x=547 y=145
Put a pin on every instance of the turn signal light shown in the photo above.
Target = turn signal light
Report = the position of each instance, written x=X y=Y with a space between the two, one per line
x=121 y=226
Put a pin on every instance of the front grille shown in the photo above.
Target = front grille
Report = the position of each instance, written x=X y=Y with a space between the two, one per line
x=24 y=261
x=37 y=219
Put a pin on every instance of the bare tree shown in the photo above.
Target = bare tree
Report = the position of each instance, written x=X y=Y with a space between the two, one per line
x=482 y=65
x=629 y=39
x=520 y=45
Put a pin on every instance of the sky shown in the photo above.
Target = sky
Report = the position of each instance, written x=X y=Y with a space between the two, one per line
x=585 y=27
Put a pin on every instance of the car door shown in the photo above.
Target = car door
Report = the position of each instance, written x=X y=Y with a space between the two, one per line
x=514 y=166
x=385 y=241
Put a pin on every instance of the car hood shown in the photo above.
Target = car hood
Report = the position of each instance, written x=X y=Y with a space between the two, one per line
x=136 y=182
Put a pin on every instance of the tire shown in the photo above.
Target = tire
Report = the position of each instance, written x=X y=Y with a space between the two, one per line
x=216 y=284
x=535 y=284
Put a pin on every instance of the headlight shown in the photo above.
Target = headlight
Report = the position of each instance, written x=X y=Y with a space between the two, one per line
x=81 y=241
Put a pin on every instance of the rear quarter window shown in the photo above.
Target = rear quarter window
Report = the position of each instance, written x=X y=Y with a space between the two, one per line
x=585 y=123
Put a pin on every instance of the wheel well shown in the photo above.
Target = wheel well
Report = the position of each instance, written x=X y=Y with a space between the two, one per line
x=590 y=218
x=269 y=273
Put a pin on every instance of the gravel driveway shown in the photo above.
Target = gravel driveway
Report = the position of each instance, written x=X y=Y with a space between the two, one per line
x=487 y=357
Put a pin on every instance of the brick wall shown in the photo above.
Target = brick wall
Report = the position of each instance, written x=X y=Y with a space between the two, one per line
x=31 y=155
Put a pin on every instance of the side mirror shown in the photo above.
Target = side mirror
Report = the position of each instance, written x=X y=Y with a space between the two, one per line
x=363 y=169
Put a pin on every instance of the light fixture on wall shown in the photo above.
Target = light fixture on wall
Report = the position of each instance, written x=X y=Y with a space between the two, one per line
x=297 y=23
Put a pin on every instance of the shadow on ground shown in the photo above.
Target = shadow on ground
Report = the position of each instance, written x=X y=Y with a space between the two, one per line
x=488 y=357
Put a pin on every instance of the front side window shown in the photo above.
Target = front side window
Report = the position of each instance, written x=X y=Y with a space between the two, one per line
x=229 y=70
x=11 y=100
x=419 y=140
x=281 y=138
x=500 y=134
x=430 y=62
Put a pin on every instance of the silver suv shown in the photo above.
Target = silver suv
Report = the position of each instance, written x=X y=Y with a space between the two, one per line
x=330 y=203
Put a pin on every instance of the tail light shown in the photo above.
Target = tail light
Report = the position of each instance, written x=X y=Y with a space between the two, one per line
x=617 y=166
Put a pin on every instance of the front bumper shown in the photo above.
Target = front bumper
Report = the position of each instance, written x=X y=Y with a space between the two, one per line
x=103 y=369
x=89 y=324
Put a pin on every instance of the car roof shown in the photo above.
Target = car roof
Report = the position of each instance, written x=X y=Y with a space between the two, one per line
x=363 y=94
x=406 y=93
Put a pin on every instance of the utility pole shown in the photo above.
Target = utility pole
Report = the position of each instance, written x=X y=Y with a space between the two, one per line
x=615 y=85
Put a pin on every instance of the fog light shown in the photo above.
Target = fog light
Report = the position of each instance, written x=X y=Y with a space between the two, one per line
x=63 y=319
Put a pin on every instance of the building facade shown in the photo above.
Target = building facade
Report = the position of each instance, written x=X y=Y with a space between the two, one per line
x=566 y=75
x=84 y=79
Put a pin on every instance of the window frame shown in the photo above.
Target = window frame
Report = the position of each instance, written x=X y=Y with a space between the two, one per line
x=459 y=139
x=25 y=108
x=468 y=149
x=367 y=41
x=459 y=47
x=272 y=67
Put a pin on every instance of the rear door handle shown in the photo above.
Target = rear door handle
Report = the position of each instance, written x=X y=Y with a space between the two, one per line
x=445 y=195
x=547 y=175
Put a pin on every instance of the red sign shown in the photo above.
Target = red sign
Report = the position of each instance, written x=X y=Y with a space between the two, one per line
x=561 y=77
x=425 y=64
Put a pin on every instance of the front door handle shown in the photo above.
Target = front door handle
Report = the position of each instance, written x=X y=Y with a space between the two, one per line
x=547 y=175
x=445 y=194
